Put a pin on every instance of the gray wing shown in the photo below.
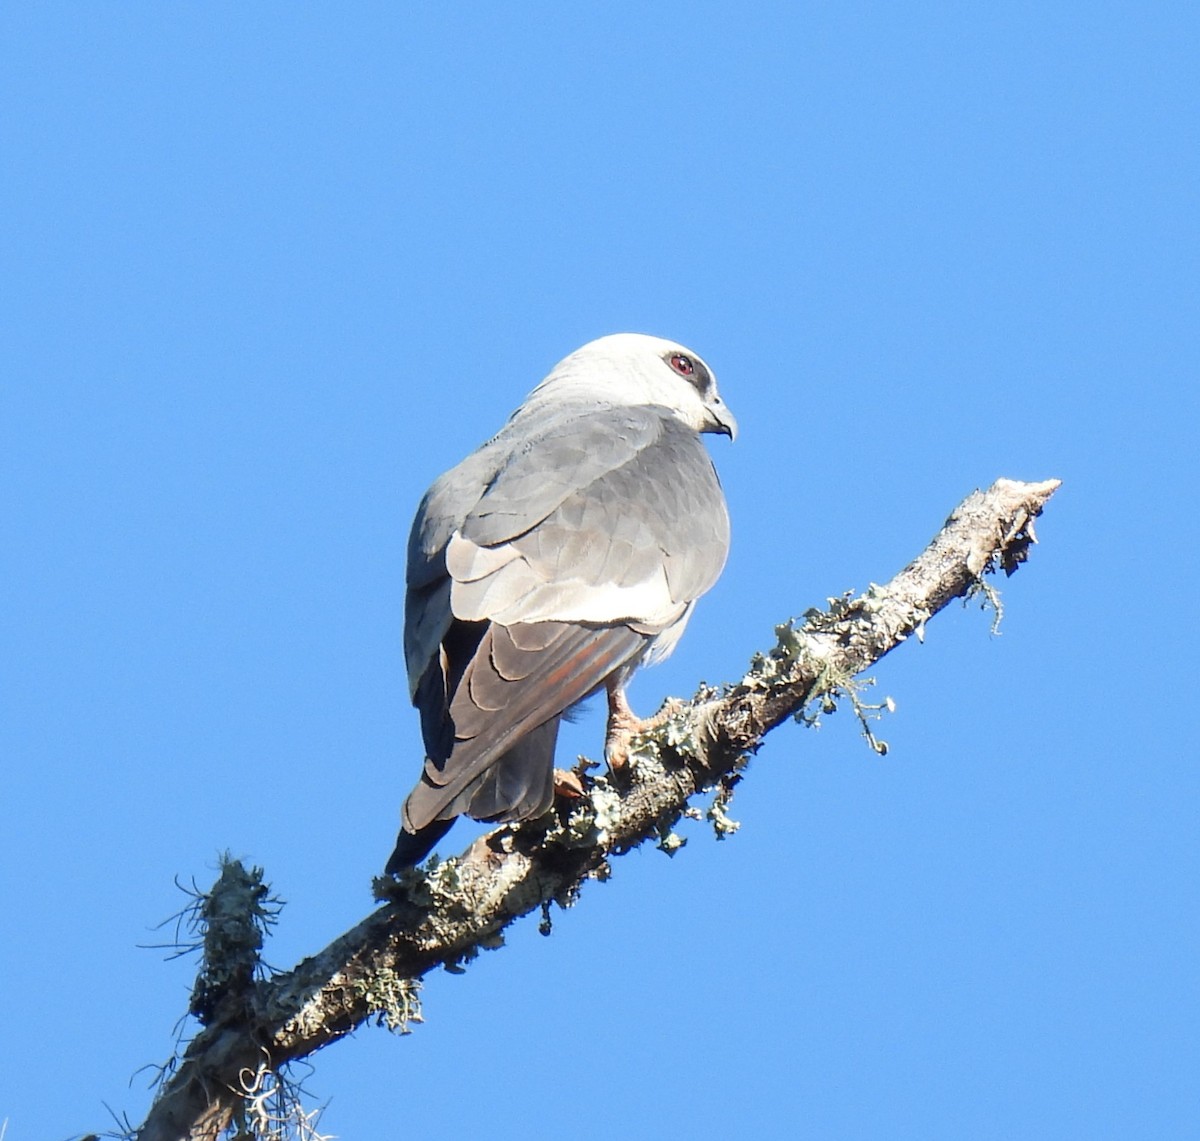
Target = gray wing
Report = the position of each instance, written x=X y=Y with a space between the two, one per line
x=636 y=540
x=564 y=556
x=509 y=485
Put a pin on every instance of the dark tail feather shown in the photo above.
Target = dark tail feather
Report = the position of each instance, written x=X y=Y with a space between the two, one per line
x=412 y=847
x=517 y=785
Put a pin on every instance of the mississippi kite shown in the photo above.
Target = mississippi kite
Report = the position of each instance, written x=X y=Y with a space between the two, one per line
x=564 y=553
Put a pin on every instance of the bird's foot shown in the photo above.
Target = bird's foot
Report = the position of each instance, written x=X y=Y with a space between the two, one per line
x=568 y=784
x=623 y=726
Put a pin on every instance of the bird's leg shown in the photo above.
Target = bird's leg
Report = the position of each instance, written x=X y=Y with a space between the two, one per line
x=623 y=726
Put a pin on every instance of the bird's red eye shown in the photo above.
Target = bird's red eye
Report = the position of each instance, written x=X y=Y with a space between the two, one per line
x=682 y=365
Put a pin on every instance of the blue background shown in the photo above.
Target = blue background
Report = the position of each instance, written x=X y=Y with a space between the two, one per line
x=268 y=269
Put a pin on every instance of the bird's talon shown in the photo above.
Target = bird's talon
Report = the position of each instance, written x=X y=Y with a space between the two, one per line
x=617 y=756
x=568 y=784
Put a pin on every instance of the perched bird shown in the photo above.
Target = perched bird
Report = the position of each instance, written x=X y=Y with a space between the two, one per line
x=564 y=553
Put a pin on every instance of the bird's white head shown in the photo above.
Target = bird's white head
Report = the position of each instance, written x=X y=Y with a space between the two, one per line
x=636 y=369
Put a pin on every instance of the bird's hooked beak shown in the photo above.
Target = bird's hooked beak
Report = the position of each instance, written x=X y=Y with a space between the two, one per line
x=724 y=421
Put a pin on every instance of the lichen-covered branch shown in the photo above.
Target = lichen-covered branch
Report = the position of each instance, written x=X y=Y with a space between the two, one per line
x=444 y=915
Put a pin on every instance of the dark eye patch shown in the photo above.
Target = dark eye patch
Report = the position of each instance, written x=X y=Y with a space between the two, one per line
x=693 y=371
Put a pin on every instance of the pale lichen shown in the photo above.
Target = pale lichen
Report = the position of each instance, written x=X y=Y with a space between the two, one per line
x=669 y=841
x=394 y=1001
x=989 y=598
x=718 y=816
x=679 y=732
x=606 y=803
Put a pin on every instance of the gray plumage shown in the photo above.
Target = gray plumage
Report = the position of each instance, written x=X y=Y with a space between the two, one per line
x=566 y=551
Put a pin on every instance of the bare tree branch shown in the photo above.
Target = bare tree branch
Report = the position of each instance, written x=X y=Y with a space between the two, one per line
x=445 y=915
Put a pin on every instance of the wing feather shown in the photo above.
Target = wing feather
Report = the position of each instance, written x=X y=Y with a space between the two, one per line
x=637 y=542
x=491 y=713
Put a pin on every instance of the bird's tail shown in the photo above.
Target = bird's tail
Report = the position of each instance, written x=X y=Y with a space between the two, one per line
x=517 y=786
x=412 y=847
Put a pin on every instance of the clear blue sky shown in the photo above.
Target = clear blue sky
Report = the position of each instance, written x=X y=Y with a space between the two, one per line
x=268 y=269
